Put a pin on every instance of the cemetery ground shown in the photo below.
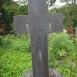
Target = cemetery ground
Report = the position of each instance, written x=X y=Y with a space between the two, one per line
x=15 y=54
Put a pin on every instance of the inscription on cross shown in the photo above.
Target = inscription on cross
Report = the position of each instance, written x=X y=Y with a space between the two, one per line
x=38 y=23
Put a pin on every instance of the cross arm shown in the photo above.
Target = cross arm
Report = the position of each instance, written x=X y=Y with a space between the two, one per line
x=55 y=22
x=21 y=24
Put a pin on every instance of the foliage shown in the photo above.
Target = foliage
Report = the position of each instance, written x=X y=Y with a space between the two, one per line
x=8 y=9
x=14 y=63
x=15 y=54
x=52 y=1
x=16 y=42
x=66 y=10
x=63 y=54
x=23 y=10
x=60 y=45
x=22 y=2
x=6 y=19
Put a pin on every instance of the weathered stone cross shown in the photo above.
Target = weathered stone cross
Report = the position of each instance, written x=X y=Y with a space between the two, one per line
x=38 y=23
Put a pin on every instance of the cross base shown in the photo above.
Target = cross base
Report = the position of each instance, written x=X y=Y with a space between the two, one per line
x=52 y=73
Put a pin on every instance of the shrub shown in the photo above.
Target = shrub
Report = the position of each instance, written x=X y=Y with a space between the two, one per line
x=59 y=45
x=63 y=54
x=19 y=42
x=13 y=64
x=15 y=58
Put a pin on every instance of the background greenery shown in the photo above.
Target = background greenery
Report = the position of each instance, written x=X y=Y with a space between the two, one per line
x=10 y=8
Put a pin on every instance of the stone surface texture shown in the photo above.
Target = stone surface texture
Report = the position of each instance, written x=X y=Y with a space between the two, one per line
x=52 y=73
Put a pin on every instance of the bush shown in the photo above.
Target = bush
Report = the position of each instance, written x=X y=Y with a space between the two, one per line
x=60 y=45
x=15 y=58
x=19 y=42
x=13 y=64
x=63 y=54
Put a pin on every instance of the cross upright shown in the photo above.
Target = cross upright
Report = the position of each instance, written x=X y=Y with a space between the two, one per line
x=38 y=23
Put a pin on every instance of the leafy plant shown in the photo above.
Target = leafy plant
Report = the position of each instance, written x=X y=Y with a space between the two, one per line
x=63 y=54
x=60 y=45
x=15 y=58
x=19 y=42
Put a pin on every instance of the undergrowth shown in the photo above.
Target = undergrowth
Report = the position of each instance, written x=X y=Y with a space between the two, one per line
x=15 y=54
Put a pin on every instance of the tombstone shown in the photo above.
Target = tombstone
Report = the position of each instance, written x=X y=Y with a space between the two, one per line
x=38 y=23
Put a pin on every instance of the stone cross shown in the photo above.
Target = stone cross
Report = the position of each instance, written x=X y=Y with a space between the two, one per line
x=38 y=23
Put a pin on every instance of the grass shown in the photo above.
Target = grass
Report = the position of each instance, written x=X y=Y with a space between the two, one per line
x=15 y=55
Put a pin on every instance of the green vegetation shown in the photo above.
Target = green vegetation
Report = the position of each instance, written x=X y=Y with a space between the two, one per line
x=63 y=54
x=15 y=50
x=67 y=10
x=9 y=8
x=15 y=54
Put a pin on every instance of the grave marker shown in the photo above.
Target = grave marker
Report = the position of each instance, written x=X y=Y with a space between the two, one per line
x=38 y=23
